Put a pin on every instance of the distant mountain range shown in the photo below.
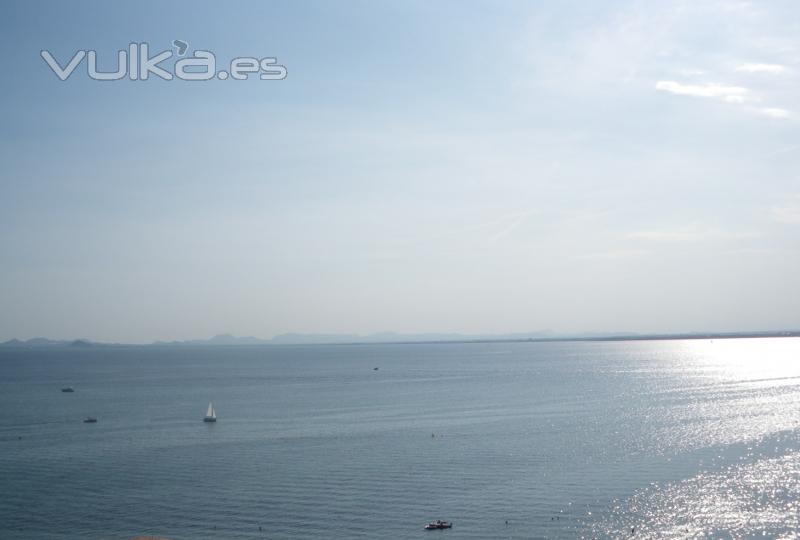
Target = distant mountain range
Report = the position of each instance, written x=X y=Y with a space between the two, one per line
x=286 y=339
x=44 y=342
x=392 y=337
x=382 y=337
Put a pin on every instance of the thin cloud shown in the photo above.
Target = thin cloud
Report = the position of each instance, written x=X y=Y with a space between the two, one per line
x=513 y=221
x=774 y=112
x=614 y=255
x=772 y=69
x=665 y=235
x=786 y=150
x=733 y=94
x=692 y=233
x=490 y=231
x=787 y=213
x=735 y=99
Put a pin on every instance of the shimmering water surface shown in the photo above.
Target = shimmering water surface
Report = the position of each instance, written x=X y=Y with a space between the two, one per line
x=673 y=439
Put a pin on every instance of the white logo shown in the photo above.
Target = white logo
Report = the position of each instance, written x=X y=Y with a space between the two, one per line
x=135 y=63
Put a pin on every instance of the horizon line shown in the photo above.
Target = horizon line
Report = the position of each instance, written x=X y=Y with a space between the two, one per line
x=230 y=340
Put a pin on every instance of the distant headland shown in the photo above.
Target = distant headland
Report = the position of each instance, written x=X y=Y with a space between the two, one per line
x=228 y=340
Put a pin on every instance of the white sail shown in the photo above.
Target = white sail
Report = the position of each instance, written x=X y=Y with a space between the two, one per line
x=210 y=413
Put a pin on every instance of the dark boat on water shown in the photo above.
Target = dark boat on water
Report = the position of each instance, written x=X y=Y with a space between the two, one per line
x=90 y=420
x=438 y=524
x=67 y=389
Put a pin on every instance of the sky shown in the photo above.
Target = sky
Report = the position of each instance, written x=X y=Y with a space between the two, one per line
x=472 y=167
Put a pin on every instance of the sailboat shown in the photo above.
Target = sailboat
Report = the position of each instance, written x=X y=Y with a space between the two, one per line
x=211 y=414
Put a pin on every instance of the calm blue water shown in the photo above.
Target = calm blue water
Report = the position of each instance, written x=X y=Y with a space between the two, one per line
x=675 y=438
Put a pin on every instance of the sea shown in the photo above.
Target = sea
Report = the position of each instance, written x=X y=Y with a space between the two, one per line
x=563 y=440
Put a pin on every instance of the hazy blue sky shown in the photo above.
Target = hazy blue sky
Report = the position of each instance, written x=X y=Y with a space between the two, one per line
x=425 y=167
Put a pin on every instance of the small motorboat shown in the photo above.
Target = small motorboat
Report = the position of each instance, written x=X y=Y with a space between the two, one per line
x=90 y=420
x=438 y=524
x=67 y=389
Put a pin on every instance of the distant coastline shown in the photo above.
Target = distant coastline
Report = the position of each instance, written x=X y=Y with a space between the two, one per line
x=227 y=340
